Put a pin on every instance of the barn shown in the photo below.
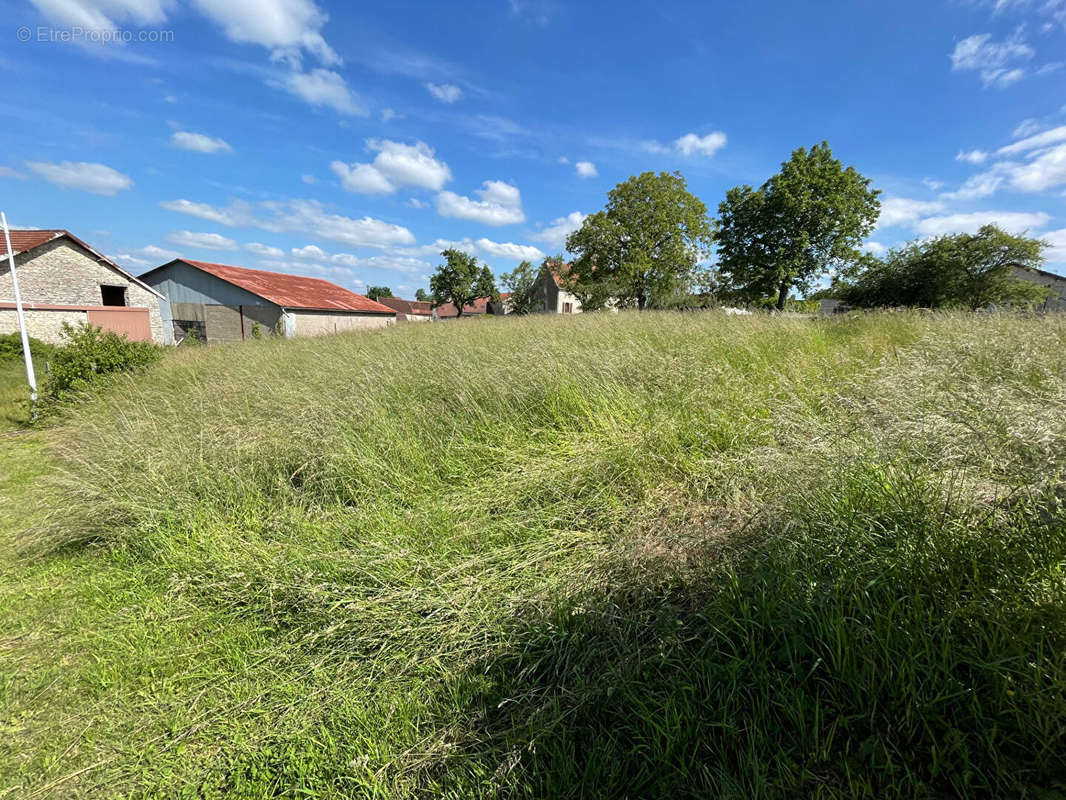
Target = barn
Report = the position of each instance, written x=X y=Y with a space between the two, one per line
x=64 y=280
x=221 y=303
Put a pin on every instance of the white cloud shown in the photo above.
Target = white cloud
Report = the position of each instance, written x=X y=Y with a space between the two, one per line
x=202 y=241
x=309 y=179
x=555 y=233
x=1046 y=169
x=8 y=172
x=414 y=202
x=500 y=204
x=875 y=248
x=388 y=114
x=933 y=184
x=300 y=216
x=983 y=184
x=395 y=165
x=264 y=250
x=445 y=92
x=1035 y=142
x=236 y=214
x=904 y=211
x=564 y=160
x=972 y=156
x=586 y=169
x=199 y=142
x=1027 y=127
x=691 y=144
x=83 y=175
x=992 y=59
x=145 y=257
x=158 y=253
x=131 y=261
x=103 y=14
x=286 y=27
x=1056 y=253
x=311 y=251
x=323 y=87
x=517 y=252
x=1012 y=221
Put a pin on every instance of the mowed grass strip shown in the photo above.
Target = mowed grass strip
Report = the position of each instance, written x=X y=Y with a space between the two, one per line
x=614 y=555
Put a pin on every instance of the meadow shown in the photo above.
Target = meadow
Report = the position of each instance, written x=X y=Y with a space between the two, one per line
x=633 y=555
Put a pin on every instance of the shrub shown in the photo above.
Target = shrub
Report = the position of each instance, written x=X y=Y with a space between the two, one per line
x=11 y=348
x=90 y=353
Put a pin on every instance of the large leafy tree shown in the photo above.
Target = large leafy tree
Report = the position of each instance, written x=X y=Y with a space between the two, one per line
x=522 y=284
x=806 y=220
x=963 y=270
x=644 y=244
x=422 y=295
x=460 y=280
x=377 y=292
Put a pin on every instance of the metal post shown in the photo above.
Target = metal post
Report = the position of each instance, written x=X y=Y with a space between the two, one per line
x=31 y=378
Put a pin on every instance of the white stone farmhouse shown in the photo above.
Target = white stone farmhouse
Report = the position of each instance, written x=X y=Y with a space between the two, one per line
x=62 y=279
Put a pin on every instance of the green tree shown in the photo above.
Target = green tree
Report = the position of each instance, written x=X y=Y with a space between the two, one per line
x=962 y=270
x=460 y=280
x=377 y=292
x=422 y=296
x=645 y=243
x=521 y=283
x=807 y=219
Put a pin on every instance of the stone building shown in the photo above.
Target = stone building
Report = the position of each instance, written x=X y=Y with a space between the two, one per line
x=62 y=279
x=220 y=303
x=1056 y=284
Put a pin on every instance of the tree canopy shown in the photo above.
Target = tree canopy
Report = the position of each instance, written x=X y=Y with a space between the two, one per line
x=423 y=296
x=521 y=283
x=377 y=292
x=645 y=243
x=963 y=270
x=460 y=280
x=810 y=217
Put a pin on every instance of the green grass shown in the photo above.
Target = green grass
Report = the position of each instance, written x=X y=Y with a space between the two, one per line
x=14 y=396
x=628 y=555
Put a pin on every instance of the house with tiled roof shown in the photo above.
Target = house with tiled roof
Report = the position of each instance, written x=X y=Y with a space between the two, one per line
x=64 y=280
x=478 y=307
x=409 y=310
x=553 y=295
x=222 y=303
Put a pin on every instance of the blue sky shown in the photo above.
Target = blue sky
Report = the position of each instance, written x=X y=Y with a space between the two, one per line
x=355 y=142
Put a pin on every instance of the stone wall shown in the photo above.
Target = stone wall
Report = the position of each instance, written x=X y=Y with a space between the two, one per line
x=62 y=273
x=45 y=325
x=316 y=323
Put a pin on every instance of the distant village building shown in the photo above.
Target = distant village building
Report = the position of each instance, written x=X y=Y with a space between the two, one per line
x=554 y=299
x=409 y=310
x=476 y=308
x=62 y=279
x=1056 y=301
x=220 y=303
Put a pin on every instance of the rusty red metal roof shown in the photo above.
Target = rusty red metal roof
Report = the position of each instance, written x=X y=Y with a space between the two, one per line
x=292 y=291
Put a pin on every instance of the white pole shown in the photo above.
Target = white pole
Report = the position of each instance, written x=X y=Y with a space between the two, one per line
x=31 y=378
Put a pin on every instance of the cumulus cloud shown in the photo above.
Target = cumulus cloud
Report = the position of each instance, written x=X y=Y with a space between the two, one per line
x=516 y=252
x=395 y=165
x=264 y=250
x=445 y=92
x=993 y=61
x=323 y=88
x=201 y=241
x=82 y=175
x=199 y=142
x=1034 y=142
x=145 y=257
x=1012 y=221
x=1056 y=252
x=311 y=251
x=904 y=211
x=554 y=234
x=285 y=27
x=691 y=144
x=586 y=169
x=972 y=156
x=875 y=248
x=500 y=204
x=1044 y=168
x=307 y=217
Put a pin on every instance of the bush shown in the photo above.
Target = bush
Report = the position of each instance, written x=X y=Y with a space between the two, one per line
x=90 y=353
x=11 y=348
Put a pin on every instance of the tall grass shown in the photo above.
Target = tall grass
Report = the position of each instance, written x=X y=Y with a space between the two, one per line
x=634 y=555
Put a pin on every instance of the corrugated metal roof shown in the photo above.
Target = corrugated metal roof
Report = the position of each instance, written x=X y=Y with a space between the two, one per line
x=418 y=307
x=292 y=291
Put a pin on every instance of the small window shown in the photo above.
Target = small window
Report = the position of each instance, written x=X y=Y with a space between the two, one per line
x=568 y=308
x=113 y=295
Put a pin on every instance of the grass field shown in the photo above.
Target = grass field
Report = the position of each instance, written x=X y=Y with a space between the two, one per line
x=642 y=555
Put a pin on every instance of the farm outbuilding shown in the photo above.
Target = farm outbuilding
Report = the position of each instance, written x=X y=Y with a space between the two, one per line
x=221 y=303
x=64 y=280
